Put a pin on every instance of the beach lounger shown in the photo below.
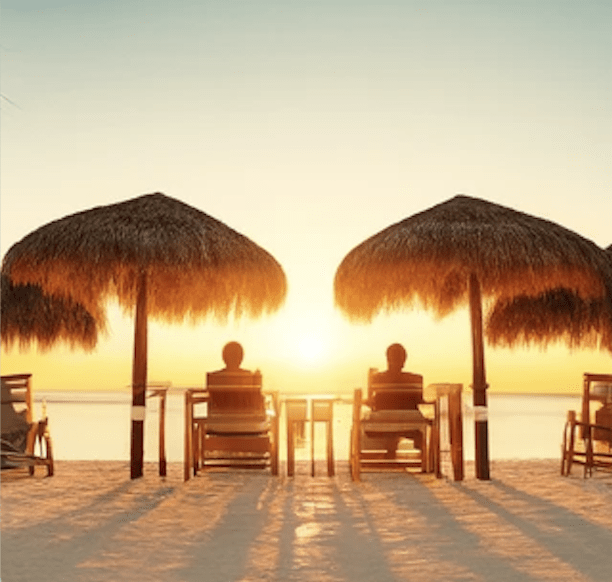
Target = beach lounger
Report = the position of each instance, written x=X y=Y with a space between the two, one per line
x=21 y=436
x=588 y=441
x=239 y=428
x=384 y=438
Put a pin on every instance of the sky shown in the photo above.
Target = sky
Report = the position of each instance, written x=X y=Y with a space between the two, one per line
x=307 y=126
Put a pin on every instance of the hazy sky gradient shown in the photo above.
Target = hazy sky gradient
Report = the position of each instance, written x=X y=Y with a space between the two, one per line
x=307 y=126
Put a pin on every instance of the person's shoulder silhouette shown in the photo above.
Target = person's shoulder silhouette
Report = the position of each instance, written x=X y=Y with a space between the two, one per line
x=233 y=387
x=394 y=374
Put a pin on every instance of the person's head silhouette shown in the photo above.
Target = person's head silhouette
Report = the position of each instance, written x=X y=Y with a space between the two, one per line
x=396 y=357
x=232 y=355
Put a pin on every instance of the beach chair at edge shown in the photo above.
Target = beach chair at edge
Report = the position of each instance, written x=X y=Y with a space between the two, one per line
x=240 y=428
x=372 y=427
x=585 y=442
x=21 y=435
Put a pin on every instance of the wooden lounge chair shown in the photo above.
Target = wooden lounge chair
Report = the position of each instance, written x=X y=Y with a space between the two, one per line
x=377 y=429
x=239 y=428
x=588 y=441
x=21 y=435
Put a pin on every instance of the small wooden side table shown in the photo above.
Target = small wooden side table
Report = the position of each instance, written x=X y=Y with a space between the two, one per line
x=296 y=410
x=322 y=410
x=311 y=409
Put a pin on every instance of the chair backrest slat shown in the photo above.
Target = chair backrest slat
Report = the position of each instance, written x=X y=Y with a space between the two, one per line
x=234 y=393
x=17 y=389
x=394 y=395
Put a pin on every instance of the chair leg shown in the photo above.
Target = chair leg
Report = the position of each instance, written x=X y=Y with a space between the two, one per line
x=32 y=437
x=202 y=446
x=352 y=453
x=290 y=450
x=48 y=453
x=187 y=437
x=434 y=448
x=424 y=453
x=565 y=453
x=589 y=458
x=356 y=437
x=274 y=448
x=356 y=453
x=357 y=458
x=195 y=449
x=275 y=434
x=276 y=439
x=571 y=444
x=330 y=449
x=312 y=444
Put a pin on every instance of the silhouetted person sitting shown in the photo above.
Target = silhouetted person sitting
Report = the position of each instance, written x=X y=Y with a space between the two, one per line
x=395 y=390
x=405 y=400
x=233 y=388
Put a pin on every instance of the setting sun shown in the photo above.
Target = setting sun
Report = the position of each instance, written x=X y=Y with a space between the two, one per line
x=312 y=348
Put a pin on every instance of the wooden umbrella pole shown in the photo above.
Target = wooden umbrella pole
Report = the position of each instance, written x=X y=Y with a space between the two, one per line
x=481 y=424
x=139 y=380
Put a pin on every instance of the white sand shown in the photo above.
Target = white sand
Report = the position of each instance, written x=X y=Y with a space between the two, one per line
x=91 y=523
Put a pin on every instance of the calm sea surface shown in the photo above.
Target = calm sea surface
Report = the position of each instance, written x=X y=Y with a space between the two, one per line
x=86 y=425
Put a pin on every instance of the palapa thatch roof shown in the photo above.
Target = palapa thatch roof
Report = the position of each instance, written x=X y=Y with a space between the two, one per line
x=555 y=316
x=28 y=316
x=195 y=264
x=429 y=257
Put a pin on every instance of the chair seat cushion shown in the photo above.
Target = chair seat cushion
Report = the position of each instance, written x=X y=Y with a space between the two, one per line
x=395 y=416
x=237 y=424
x=394 y=421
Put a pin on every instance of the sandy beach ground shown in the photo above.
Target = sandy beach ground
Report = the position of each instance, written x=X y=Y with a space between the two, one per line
x=91 y=523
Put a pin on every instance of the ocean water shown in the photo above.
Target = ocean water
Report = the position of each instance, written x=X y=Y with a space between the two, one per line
x=88 y=425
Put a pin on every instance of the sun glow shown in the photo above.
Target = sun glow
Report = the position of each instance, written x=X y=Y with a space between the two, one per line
x=312 y=348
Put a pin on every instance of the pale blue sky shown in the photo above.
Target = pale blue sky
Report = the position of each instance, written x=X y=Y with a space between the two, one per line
x=308 y=126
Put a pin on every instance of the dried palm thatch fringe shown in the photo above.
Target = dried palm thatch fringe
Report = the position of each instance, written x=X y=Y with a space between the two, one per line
x=195 y=265
x=28 y=316
x=428 y=258
x=555 y=316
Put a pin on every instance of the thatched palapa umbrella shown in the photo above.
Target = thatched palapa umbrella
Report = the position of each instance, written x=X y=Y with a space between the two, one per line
x=158 y=255
x=455 y=253
x=556 y=315
x=28 y=316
